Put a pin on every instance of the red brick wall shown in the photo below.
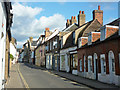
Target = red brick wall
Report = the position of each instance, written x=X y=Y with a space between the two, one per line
x=98 y=14
x=110 y=31
x=84 y=41
x=102 y=48
x=95 y=36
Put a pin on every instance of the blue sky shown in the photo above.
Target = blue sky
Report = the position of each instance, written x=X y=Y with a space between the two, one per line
x=69 y=9
x=31 y=19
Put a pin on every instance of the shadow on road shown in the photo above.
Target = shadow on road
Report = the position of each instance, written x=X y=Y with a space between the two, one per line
x=33 y=66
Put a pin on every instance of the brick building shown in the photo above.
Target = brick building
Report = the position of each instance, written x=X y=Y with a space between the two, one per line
x=68 y=52
x=99 y=58
x=40 y=51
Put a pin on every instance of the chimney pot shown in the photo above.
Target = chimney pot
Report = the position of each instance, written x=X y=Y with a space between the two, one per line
x=82 y=12
x=99 y=7
x=47 y=29
x=72 y=17
x=67 y=20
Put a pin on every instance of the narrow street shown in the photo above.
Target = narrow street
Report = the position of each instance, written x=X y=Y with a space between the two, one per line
x=37 y=78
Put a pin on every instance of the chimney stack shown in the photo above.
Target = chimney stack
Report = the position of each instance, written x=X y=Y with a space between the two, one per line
x=71 y=21
x=68 y=23
x=98 y=14
x=47 y=32
x=81 y=18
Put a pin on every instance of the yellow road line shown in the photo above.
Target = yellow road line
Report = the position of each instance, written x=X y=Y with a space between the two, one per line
x=25 y=83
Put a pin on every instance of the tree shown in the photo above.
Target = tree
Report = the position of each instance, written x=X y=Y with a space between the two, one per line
x=11 y=56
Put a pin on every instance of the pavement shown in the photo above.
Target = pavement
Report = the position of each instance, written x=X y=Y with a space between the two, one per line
x=14 y=81
x=81 y=80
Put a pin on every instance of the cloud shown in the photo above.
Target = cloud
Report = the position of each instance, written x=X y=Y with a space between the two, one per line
x=25 y=23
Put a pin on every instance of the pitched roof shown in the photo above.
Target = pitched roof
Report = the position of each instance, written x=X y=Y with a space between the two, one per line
x=115 y=22
x=71 y=27
x=81 y=31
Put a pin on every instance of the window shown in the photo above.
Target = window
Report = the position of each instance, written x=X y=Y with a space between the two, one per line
x=90 y=69
x=113 y=65
x=62 y=62
x=50 y=45
x=56 y=43
x=103 y=33
x=103 y=64
x=73 y=37
x=75 y=61
x=80 y=64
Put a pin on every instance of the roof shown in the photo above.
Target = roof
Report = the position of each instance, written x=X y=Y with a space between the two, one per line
x=115 y=22
x=71 y=27
x=34 y=43
x=81 y=31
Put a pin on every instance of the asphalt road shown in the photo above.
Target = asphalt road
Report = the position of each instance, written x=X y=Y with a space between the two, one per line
x=37 y=78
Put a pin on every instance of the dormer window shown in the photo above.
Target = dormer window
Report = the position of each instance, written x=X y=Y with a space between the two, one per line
x=107 y=31
x=82 y=41
x=73 y=34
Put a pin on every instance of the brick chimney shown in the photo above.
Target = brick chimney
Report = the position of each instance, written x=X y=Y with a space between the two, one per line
x=47 y=32
x=68 y=23
x=81 y=18
x=72 y=20
x=93 y=36
x=98 y=14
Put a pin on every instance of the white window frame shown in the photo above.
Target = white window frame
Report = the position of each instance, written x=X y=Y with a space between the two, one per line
x=103 y=64
x=90 y=65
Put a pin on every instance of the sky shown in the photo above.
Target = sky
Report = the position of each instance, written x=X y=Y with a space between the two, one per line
x=31 y=18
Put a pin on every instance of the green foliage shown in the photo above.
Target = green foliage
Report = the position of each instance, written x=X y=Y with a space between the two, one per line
x=11 y=56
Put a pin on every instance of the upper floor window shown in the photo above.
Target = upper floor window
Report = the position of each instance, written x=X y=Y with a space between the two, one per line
x=73 y=34
x=50 y=45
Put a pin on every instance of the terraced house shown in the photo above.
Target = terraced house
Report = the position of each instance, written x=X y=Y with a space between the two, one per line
x=5 y=38
x=68 y=52
x=40 y=52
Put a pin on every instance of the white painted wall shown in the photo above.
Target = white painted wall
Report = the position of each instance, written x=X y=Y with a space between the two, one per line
x=2 y=43
x=13 y=51
x=64 y=52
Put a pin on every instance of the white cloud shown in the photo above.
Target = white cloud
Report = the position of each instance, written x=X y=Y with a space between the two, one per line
x=26 y=24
